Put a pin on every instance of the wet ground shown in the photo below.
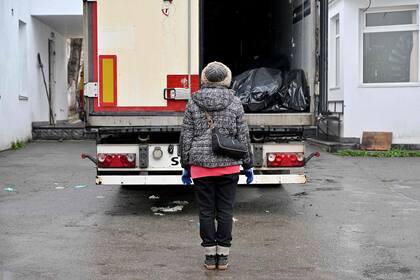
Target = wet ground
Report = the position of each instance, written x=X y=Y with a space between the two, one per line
x=357 y=218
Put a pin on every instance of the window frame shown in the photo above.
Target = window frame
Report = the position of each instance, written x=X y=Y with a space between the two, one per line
x=384 y=29
x=336 y=62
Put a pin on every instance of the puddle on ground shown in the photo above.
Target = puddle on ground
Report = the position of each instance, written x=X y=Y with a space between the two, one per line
x=328 y=189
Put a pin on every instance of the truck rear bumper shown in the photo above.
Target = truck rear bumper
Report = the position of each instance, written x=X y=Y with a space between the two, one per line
x=176 y=179
x=161 y=120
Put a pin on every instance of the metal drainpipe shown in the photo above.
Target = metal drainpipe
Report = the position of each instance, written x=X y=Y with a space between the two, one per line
x=323 y=60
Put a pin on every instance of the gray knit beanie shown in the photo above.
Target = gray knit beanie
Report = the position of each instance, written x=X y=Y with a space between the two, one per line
x=216 y=74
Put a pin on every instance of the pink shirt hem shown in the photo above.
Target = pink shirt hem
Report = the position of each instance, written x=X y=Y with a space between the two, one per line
x=200 y=172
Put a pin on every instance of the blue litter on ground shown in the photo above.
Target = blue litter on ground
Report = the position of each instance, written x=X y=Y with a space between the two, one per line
x=9 y=189
x=80 y=187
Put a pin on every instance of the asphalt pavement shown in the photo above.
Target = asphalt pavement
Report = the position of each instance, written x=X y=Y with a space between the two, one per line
x=356 y=218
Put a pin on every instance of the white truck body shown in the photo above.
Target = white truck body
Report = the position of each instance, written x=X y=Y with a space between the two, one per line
x=142 y=63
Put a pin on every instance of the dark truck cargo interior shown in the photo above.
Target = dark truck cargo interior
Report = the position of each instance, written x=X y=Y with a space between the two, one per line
x=254 y=38
x=247 y=34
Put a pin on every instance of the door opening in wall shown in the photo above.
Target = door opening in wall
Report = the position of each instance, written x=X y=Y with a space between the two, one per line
x=51 y=75
x=23 y=61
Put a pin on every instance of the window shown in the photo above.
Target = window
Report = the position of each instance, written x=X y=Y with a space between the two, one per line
x=335 y=52
x=390 y=46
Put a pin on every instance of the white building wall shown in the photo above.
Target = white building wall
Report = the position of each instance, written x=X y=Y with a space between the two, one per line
x=22 y=77
x=56 y=7
x=15 y=114
x=336 y=90
x=335 y=93
x=369 y=108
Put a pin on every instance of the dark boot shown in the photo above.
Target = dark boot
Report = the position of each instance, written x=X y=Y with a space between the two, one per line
x=222 y=262
x=210 y=262
x=211 y=258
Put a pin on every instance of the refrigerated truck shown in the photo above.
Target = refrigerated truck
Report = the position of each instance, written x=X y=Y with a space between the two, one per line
x=142 y=62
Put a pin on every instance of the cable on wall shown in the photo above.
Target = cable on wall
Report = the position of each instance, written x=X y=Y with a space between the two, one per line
x=368 y=7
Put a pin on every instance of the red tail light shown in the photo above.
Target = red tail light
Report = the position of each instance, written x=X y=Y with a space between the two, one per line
x=116 y=160
x=285 y=159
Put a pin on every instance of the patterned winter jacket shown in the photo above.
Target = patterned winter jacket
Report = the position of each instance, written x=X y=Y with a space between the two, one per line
x=228 y=116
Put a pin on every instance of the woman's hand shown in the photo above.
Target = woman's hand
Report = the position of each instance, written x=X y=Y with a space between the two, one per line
x=249 y=173
x=186 y=177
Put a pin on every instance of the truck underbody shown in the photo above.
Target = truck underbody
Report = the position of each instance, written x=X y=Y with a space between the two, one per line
x=158 y=162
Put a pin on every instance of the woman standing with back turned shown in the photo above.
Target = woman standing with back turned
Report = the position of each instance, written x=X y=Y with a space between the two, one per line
x=215 y=175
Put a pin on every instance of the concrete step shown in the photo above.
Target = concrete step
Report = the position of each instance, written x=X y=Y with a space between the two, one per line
x=60 y=131
x=331 y=146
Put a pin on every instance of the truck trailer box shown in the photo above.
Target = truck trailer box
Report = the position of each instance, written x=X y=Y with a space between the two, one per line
x=142 y=64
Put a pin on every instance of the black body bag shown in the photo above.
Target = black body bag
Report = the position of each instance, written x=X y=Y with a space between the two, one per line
x=225 y=145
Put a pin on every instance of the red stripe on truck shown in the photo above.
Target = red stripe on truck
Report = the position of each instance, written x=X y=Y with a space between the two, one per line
x=95 y=40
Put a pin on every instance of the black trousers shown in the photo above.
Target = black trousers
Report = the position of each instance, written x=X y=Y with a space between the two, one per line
x=216 y=197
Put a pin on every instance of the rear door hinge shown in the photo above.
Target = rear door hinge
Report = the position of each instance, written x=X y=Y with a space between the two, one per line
x=91 y=90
